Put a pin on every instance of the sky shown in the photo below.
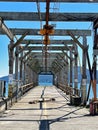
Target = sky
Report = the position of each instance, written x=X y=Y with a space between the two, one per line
x=31 y=7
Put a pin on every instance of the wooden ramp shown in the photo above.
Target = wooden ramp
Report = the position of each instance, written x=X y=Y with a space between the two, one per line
x=46 y=108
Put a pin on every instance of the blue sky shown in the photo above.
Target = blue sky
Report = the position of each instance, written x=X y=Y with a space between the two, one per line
x=31 y=7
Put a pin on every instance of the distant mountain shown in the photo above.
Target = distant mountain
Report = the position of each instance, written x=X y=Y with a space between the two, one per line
x=80 y=75
x=5 y=78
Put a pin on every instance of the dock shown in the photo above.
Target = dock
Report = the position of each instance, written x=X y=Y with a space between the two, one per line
x=36 y=111
x=49 y=65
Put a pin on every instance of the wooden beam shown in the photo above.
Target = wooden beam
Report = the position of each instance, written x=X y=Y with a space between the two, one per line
x=58 y=32
x=6 y=30
x=22 y=49
x=52 y=42
x=64 y=17
x=49 y=48
x=75 y=40
x=19 y=40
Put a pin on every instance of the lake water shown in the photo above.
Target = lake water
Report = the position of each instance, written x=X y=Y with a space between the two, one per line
x=45 y=80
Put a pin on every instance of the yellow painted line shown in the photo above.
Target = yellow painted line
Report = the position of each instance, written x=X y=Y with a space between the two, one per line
x=45 y=110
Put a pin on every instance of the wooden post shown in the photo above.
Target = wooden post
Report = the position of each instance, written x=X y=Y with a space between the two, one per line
x=11 y=57
x=24 y=73
x=16 y=63
x=11 y=64
x=94 y=81
x=65 y=76
x=16 y=71
x=76 y=70
x=84 y=77
x=71 y=67
x=21 y=65
x=95 y=48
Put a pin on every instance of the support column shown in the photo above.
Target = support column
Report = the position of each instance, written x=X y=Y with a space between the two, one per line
x=27 y=73
x=11 y=64
x=62 y=74
x=71 y=67
x=94 y=82
x=24 y=78
x=55 y=79
x=21 y=65
x=84 y=77
x=16 y=63
x=76 y=71
x=59 y=77
x=35 y=78
x=95 y=52
x=16 y=71
x=11 y=57
x=66 y=71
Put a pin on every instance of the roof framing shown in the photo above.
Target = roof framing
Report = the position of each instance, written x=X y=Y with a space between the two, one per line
x=33 y=16
x=57 y=32
x=51 y=48
x=60 y=17
x=53 y=42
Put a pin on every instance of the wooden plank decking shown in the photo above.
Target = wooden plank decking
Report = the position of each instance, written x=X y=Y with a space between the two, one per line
x=32 y=112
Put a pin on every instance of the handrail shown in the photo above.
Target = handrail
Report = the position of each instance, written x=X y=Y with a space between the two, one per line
x=7 y=102
x=69 y=90
x=26 y=87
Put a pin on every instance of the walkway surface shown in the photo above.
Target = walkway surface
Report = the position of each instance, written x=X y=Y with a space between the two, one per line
x=34 y=113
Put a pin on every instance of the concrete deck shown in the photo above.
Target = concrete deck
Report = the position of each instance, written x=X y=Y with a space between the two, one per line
x=49 y=115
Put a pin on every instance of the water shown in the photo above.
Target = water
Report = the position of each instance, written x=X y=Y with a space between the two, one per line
x=91 y=91
x=6 y=90
x=45 y=80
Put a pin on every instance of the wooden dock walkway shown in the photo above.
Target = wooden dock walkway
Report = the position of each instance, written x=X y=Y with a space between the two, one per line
x=46 y=108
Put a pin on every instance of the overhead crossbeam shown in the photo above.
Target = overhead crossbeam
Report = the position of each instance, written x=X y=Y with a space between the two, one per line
x=33 y=16
x=58 y=32
x=52 y=42
x=49 y=48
